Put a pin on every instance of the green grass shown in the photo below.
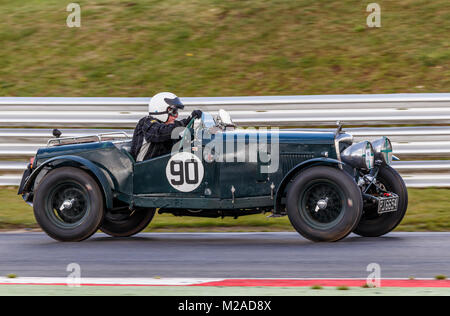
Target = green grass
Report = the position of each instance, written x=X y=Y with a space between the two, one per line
x=222 y=48
x=428 y=211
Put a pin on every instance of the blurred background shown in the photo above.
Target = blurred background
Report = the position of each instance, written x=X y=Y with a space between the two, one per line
x=223 y=48
x=208 y=48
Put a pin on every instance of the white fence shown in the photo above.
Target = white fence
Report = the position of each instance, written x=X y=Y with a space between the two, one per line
x=26 y=124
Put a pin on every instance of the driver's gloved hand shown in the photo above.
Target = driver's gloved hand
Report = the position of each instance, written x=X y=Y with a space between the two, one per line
x=196 y=114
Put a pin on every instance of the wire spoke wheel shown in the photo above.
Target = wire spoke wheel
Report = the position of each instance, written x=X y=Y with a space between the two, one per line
x=324 y=204
x=119 y=216
x=67 y=204
x=373 y=224
x=321 y=204
x=126 y=223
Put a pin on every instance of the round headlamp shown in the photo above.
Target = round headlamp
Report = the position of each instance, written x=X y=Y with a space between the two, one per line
x=360 y=155
x=383 y=149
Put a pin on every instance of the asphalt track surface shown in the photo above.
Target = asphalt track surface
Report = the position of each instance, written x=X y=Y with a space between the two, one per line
x=226 y=255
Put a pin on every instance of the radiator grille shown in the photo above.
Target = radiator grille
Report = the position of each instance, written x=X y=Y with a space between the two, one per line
x=289 y=161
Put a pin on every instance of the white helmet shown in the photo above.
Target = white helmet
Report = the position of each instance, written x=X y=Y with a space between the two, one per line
x=163 y=104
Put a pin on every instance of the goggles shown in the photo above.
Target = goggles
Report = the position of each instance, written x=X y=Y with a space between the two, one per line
x=174 y=106
x=172 y=110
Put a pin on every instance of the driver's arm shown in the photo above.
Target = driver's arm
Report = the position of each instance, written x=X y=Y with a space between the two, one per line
x=157 y=132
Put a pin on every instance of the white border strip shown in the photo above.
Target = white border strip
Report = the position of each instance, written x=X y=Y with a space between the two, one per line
x=153 y=281
x=108 y=281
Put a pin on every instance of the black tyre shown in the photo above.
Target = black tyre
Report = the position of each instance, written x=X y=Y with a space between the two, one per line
x=324 y=204
x=68 y=204
x=125 y=223
x=374 y=225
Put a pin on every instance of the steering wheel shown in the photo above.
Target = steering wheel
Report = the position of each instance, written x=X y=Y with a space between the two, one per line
x=185 y=133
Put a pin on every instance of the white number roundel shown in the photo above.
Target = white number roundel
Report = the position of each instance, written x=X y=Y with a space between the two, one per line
x=185 y=171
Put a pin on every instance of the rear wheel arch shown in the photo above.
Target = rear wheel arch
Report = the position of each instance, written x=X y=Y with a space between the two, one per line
x=104 y=182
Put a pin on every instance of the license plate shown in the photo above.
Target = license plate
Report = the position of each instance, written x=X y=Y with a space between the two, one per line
x=388 y=204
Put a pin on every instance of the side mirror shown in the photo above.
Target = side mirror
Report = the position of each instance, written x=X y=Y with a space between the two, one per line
x=57 y=133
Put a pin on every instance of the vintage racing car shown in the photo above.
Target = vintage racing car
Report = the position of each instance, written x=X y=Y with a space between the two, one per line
x=325 y=183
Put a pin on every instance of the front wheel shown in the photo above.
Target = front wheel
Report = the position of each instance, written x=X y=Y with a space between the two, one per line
x=126 y=223
x=324 y=204
x=373 y=224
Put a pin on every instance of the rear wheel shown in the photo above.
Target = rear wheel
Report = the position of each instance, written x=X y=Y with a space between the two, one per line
x=68 y=204
x=324 y=204
x=374 y=225
x=126 y=223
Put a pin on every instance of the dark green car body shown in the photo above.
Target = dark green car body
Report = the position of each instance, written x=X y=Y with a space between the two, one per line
x=227 y=188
